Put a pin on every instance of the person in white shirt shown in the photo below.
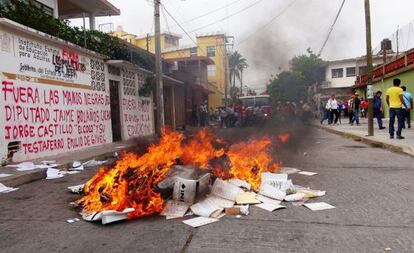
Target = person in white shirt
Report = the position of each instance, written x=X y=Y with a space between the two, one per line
x=332 y=106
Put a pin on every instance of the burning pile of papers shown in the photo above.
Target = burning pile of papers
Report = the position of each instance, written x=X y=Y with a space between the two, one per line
x=193 y=193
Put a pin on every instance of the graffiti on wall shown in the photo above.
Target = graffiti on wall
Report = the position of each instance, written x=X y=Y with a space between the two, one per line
x=48 y=119
x=136 y=116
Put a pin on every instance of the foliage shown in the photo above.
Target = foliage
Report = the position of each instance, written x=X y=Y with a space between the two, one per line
x=292 y=85
x=29 y=15
x=310 y=66
x=287 y=86
x=149 y=84
x=236 y=64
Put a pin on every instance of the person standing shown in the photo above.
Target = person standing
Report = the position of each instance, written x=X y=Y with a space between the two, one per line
x=408 y=99
x=350 y=109
x=355 y=105
x=332 y=106
x=203 y=114
x=395 y=102
x=378 y=109
x=324 y=112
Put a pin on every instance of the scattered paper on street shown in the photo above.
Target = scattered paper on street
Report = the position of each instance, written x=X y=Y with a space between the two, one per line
x=93 y=163
x=270 y=206
x=199 y=221
x=271 y=192
x=53 y=174
x=279 y=181
x=244 y=198
x=206 y=208
x=289 y=171
x=76 y=188
x=240 y=183
x=307 y=173
x=5 y=189
x=107 y=216
x=72 y=220
x=294 y=197
x=319 y=206
x=175 y=209
x=225 y=190
x=48 y=162
x=3 y=175
x=264 y=199
x=69 y=172
x=26 y=166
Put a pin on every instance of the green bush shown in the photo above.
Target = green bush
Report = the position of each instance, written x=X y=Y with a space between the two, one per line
x=115 y=48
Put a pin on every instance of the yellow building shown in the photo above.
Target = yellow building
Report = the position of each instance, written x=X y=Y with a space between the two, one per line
x=212 y=46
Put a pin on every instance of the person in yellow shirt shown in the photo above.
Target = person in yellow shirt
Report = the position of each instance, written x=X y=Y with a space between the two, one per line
x=395 y=102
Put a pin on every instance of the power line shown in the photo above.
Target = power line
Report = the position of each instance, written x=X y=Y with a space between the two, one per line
x=227 y=17
x=210 y=12
x=331 y=28
x=268 y=23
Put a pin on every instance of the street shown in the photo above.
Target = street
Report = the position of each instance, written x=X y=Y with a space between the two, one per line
x=371 y=189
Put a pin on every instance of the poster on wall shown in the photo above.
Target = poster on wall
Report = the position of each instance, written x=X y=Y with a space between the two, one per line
x=52 y=99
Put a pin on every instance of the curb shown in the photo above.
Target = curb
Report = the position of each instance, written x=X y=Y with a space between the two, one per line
x=391 y=147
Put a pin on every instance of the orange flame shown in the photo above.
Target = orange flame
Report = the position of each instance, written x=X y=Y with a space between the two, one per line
x=133 y=179
x=284 y=138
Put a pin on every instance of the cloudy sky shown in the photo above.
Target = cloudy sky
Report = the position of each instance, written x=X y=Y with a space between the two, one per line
x=297 y=25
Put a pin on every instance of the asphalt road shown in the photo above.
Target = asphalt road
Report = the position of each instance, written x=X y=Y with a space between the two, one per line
x=371 y=188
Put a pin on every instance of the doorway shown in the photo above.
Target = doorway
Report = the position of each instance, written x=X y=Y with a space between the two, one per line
x=115 y=110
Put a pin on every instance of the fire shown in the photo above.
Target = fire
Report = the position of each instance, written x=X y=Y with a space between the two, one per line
x=132 y=181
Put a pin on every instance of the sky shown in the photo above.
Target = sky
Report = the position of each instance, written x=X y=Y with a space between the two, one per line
x=268 y=46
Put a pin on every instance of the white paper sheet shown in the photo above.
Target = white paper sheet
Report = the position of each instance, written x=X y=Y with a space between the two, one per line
x=244 y=198
x=270 y=207
x=267 y=200
x=240 y=183
x=175 y=209
x=279 y=181
x=70 y=172
x=307 y=173
x=76 y=188
x=48 y=162
x=289 y=171
x=294 y=197
x=26 y=166
x=225 y=190
x=319 y=206
x=220 y=202
x=3 y=175
x=5 y=189
x=199 y=221
x=53 y=174
x=205 y=208
x=95 y=216
x=80 y=168
x=92 y=163
x=271 y=192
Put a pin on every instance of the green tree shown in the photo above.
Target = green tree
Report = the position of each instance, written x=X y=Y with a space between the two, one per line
x=311 y=67
x=236 y=64
x=287 y=86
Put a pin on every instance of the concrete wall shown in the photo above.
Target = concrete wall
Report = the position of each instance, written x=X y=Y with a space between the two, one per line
x=137 y=117
x=340 y=82
x=54 y=98
x=407 y=79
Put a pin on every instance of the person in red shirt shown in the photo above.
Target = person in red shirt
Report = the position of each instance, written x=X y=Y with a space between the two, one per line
x=364 y=108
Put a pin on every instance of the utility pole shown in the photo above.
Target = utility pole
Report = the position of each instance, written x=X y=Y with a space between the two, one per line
x=370 y=93
x=158 y=67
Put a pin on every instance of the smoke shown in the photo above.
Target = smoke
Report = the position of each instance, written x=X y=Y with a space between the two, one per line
x=304 y=25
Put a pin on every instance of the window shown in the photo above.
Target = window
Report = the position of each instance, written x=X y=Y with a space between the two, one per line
x=337 y=73
x=211 y=70
x=350 y=71
x=211 y=51
x=46 y=9
x=363 y=70
x=193 y=51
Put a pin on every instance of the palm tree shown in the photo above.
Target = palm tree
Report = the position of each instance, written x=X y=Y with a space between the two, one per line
x=236 y=64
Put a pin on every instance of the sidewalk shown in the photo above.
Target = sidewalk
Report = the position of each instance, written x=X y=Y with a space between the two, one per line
x=65 y=160
x=381 y=137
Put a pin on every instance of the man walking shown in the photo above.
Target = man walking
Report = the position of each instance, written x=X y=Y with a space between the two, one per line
x=408 y=99
x=378 y=109
x=395 y=102
x=355 y=105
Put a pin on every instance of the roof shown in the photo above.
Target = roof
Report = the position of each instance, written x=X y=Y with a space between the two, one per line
x=163 y=33
x=76 y=8
x=212 y=34
x=192 y=58
x=172 y=49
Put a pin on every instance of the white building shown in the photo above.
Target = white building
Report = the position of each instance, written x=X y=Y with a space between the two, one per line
x=343 y=73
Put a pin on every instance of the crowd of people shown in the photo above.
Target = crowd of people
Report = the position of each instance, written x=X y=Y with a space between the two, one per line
x=398 y=99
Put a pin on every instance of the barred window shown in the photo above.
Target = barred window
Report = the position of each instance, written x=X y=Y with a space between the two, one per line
x=129 y=82
x=97 y=75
